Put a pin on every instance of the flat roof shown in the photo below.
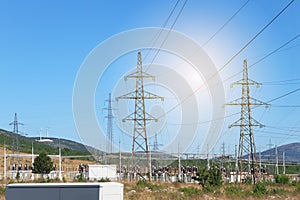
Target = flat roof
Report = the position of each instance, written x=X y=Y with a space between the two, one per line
x=94 y=184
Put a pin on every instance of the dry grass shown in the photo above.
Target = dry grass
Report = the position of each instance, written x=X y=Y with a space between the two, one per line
x=180 y=191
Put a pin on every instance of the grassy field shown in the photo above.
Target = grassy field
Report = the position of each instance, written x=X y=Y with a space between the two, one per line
x=182 y=191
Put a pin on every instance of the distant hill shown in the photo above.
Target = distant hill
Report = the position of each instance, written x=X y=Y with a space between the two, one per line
x=25 y=143
x=292 y=153
x=63 y=143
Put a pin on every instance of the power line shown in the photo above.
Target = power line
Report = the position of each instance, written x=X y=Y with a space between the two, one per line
x=171 y=28
x=271 y=53
x=282 y=81
x=163 y=26
x=261 y=31
x=231 y=59
x=219 y=30
x=226 y=23
x=271 y=100
x=284 y=95
x=265 y=57
x=286 y=106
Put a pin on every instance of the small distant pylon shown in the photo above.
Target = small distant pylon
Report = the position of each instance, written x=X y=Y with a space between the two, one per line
x=156 y=144
x=246 y=124
x=109 y=128
x=15 y=123
x=140 y=117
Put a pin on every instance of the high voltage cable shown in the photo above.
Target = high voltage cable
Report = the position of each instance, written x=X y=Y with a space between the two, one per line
x=232 y=58
x=274 y=99
x=284 y=129
x=284 y=95
x=221 y=28
x=294 y=38
x=283 y=106
x=262 y=30
x=169 y=31
x=282 y=81
x=277 y=133
x=163 y=26
x=265 y=57
x=225 y=24
x=171 y=13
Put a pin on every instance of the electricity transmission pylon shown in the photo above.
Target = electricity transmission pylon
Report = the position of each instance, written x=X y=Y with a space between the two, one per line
x=140 y=117
x=109 y=128
x=246 y=124
x=15 y=145
x=155 y=144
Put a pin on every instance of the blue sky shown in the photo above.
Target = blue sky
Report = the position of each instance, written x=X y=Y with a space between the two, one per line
x=43 y=44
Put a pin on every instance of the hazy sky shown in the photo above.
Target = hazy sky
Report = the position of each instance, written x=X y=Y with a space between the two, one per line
x=44 y=43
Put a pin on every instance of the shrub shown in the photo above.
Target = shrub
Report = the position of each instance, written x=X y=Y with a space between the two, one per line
x=141 y=184
x=211 y=189
x=2 y=190
x=104 y=180
x=282 y=179
x=80 y=178
x=279 y=191
x=297 y=189
x=259 y=189
x=233 y=190
x=209 y=178
x=18 y=176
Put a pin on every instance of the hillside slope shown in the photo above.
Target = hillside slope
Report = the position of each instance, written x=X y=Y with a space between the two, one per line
x=292 y=153
x=25 y=144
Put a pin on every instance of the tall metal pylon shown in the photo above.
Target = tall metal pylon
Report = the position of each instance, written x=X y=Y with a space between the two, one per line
x=15 y=123
x=140 y=117
x=246 y=124
x=109 y=128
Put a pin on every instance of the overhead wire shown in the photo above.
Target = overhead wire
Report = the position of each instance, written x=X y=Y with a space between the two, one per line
x=282 y=82
x=219 y=30
x=163 y=26
x=168 y=33
x=226 y=23
x=233 y=57
x=268 y=102
x=263 y=58
x=284 y=95
x=271 y=53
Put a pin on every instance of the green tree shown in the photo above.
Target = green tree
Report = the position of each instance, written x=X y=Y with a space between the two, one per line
x=42 y=164
x=207 y=178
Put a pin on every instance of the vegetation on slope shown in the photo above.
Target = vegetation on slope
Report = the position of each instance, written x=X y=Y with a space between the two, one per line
x=25 y=145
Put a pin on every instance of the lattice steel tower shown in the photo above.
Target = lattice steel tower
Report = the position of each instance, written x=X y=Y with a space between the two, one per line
x=15 y=123
x=246 y=124
x=140 y=117
x=109 y=128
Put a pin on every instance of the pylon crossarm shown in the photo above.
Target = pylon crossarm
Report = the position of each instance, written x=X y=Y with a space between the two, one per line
x=246 y=82
x=256 y=102
x=149 y=95
x=235 y=102
x=253 y=102
x=128 y=117
x=236 y=123
x=150 y=118
x=130 y=95
x=251 y=82
x=256 y=123
x=137 y=75
x=244 y=123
